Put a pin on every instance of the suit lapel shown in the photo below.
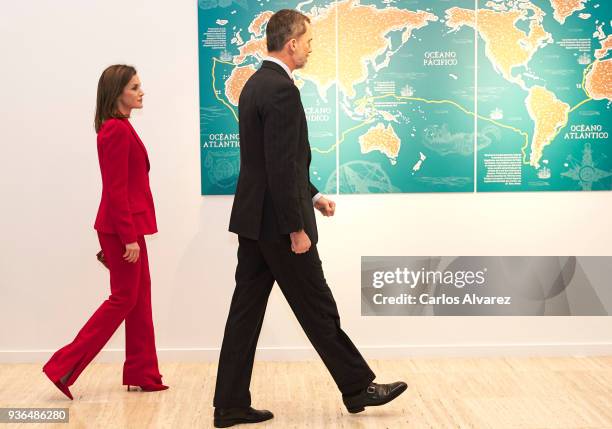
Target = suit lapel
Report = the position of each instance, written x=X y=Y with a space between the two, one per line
x=140 y=143
x=277 y=68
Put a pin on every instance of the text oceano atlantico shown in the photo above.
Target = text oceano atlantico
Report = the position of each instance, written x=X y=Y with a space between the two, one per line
x=412 y=278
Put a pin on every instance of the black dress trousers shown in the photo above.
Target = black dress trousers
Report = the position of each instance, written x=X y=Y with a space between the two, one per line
x=300 y=278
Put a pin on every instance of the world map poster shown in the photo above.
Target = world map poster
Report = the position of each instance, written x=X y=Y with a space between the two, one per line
x=425 y=96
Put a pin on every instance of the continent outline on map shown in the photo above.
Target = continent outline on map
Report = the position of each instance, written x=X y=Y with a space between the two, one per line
x=595 y=75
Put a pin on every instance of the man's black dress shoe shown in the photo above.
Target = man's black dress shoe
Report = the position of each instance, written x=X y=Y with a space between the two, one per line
x=373 y=395
x=226 y=417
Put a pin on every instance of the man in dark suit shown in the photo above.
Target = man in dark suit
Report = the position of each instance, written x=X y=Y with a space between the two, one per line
x=274 y=218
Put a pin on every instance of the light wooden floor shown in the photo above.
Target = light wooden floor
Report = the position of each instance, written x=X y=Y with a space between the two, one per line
x=442 y=393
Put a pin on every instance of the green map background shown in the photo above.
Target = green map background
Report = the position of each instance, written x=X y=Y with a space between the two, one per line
x=560 y=72
x=437 y=119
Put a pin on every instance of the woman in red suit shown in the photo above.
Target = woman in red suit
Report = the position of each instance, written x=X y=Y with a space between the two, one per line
x=125 y=215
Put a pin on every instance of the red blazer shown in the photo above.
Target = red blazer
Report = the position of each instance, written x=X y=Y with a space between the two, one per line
x=126 y=207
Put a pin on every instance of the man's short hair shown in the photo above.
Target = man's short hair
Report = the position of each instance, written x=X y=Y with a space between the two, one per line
x=284 y=25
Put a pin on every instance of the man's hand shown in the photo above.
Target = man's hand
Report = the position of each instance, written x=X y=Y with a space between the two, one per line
x=132 y=252
x=300 y=243
x=325 y=206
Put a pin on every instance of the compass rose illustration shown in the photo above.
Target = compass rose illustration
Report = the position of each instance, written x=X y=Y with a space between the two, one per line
x=585 y=172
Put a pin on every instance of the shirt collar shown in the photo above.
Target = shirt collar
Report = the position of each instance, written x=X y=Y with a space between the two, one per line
x=280 y=63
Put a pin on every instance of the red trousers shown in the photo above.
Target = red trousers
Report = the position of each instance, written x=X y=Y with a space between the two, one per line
x=130 y=300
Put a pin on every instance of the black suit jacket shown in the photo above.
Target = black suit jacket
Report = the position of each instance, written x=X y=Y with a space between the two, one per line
x=274 y=194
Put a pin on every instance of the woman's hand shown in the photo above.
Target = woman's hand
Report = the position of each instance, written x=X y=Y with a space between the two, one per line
x=132 y=252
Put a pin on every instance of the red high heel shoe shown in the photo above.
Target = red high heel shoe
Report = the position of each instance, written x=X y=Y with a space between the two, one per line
x=150 y=388
x=61 y=386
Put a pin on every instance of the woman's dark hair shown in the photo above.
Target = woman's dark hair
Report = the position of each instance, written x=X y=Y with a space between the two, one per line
x=284 y=25
x=110 y=86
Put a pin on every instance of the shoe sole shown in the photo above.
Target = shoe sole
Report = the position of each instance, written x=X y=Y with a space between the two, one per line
x=232 y=422
x=391 y=397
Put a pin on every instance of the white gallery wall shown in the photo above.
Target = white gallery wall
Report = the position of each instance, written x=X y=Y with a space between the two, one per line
x=50 y=282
